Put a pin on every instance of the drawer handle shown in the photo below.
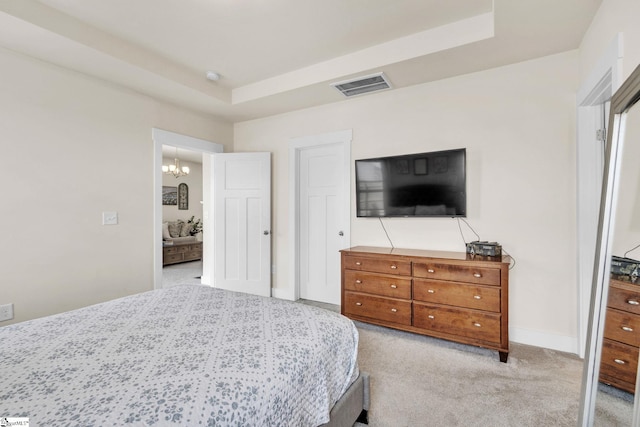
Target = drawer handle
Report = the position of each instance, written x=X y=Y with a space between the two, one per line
x=358 y=303
x=358 y=281
x=431 y=316
x=633 y=302
x=477 y=297
x=477 y=275
x=620 y=361
x=431 y=270
x=477 y=325
x=358 y=263
x=393 y=267
x=394 y=310
x=627 y=329
x=394 y=287
x=431 y=291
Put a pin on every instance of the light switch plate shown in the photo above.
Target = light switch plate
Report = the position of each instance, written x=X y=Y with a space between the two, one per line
x=109 y=218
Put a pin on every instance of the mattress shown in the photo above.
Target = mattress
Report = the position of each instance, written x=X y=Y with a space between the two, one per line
x=188 y=355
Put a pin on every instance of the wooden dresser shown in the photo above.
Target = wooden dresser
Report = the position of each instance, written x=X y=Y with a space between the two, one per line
x=619 y=362
x=181 y=252
x=448 y=295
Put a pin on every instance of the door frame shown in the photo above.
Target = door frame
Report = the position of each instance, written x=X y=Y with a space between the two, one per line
x=604 y=79
x=162 y=137
x=296 y=145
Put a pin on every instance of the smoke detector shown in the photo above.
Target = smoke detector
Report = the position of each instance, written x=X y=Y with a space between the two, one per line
x=362 y=85
x=213 y=76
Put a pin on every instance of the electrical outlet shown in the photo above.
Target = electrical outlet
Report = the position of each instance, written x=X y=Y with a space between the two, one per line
x=6 y=312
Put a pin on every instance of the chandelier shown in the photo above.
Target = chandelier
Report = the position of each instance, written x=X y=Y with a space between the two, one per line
x=175 y=169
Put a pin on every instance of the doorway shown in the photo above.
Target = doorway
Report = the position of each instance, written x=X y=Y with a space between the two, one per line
x=161 y=137
x=182 y=209
x=592 y=111
x=320 y=171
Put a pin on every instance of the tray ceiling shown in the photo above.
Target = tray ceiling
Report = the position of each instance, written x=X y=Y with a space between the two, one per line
x=280 y=55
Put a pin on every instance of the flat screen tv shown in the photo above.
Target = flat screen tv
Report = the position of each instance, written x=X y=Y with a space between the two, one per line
x=429 y=184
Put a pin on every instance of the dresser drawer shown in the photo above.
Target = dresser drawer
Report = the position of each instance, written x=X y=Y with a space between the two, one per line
x=619 y=362
x=378 y=265
x=467 y=323
x=381 y=308
x=193 y=255
x=169 y=258
x=624 y=296
x=623 y=327
x=457 y=273
x=457 y=294
x=378 y=284
x=170 y=250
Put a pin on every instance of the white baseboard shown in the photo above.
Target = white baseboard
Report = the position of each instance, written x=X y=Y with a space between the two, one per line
x=540 y=339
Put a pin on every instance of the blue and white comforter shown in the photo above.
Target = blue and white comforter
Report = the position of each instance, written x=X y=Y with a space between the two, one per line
x=189 y=355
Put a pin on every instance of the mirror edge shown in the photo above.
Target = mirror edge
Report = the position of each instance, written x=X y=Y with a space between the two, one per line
x=624 y=98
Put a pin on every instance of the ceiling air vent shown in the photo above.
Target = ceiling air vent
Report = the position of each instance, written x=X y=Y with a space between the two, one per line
x=362 y=85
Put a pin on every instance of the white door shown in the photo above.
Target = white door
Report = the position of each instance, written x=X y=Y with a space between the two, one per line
x=242 y=222
x=323 y=223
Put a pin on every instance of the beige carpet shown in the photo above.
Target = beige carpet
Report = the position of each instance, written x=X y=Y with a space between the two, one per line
x=421 y=381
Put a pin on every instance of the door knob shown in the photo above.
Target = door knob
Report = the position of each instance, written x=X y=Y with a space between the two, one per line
x=265 y=232
x=340 y=233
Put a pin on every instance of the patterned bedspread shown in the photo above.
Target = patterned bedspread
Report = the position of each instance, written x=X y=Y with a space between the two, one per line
x=188 y=355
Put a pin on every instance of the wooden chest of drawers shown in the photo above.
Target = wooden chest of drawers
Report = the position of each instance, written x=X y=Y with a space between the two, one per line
x=181 y=252
x=619 y=362
x=447 y=295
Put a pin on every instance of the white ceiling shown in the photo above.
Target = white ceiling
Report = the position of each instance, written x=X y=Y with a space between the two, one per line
x=280 y=55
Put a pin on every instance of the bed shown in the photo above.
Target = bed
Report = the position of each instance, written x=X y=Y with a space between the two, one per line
x=188 y=355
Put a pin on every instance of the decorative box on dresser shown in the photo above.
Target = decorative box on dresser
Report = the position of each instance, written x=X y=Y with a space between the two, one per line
x=450 y=295
x=619 y=361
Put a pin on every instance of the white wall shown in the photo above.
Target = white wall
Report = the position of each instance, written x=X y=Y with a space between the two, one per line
x=78 y=146
x=518 y=125
x=613 y=17
x=194 y=181
x=73 y=147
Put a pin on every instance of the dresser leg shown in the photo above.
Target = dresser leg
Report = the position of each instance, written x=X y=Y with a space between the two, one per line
x=503 y=356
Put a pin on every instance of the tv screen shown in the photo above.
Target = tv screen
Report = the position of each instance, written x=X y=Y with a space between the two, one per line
x=414 y=185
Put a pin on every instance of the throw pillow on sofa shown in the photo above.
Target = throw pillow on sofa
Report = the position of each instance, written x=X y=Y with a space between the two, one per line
x=175 y=228
x=185 y=230
x=165 y=230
